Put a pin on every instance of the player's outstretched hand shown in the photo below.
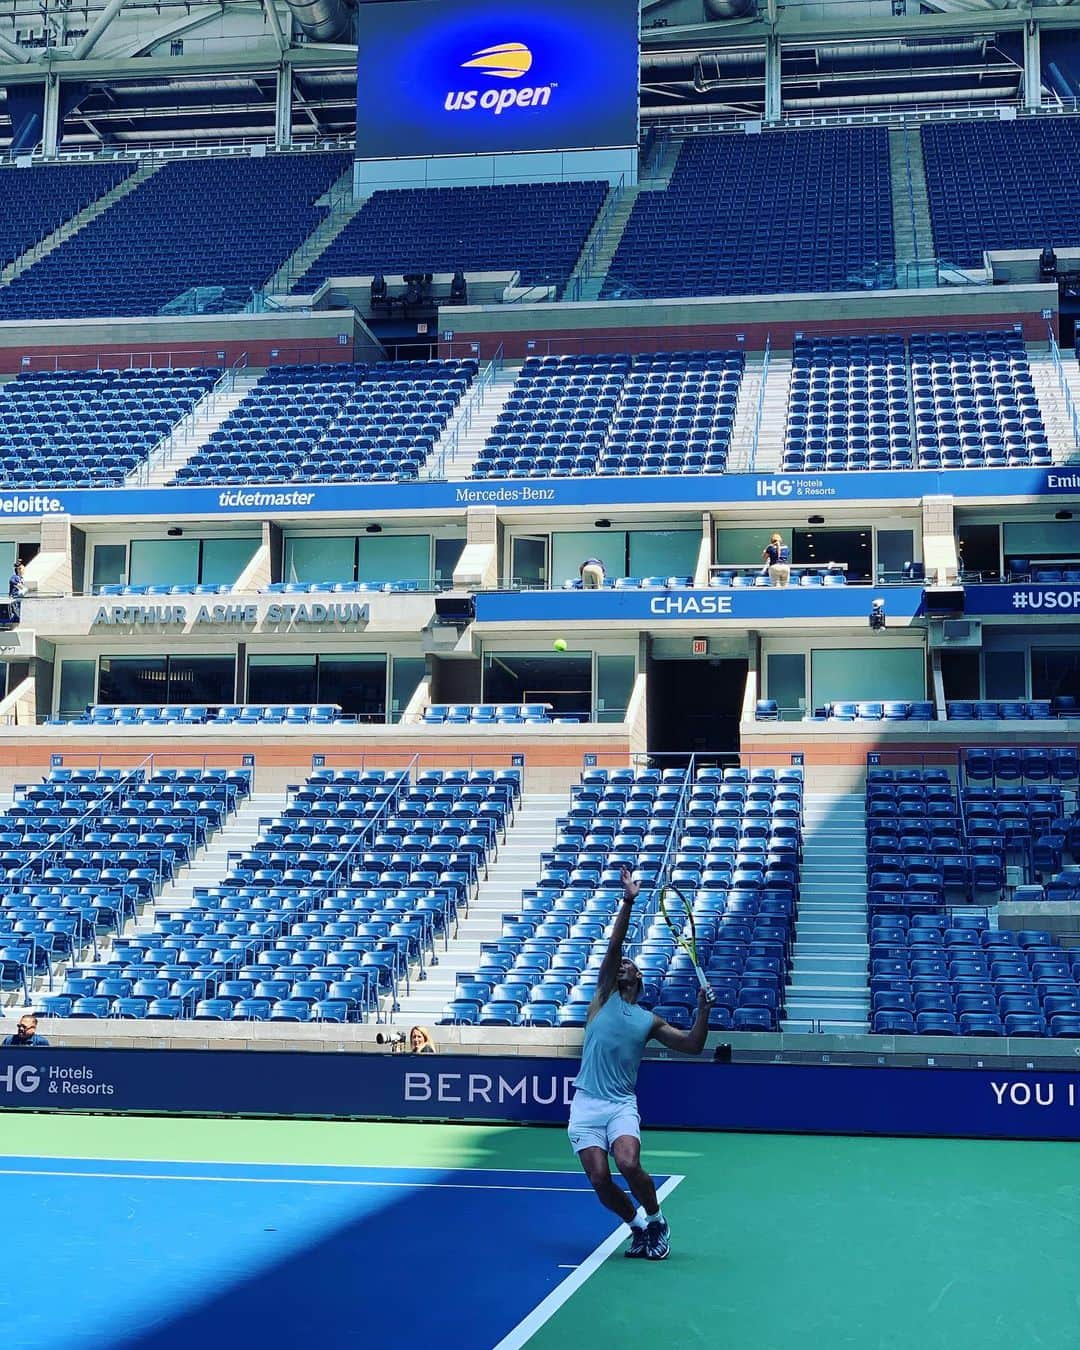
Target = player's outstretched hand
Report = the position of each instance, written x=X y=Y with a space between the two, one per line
x=705 y=999
x=631 y=888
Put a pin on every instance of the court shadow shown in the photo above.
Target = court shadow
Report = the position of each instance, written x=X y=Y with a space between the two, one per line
x=436 y=1265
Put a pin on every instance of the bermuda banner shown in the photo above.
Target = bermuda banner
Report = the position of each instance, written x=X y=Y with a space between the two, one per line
x=542 y=494
x=711 y=606
x=466 y=77
x=1024 y=599
x=827 y=1099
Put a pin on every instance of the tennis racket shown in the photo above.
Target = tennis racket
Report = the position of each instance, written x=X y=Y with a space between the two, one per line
x=679 y=917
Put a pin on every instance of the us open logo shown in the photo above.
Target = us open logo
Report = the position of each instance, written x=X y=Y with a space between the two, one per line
x=504 y=61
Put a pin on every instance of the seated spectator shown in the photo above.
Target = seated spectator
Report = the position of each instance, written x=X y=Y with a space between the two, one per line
x=26 y=1035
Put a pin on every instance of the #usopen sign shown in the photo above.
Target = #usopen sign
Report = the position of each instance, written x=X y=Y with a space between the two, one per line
x=315 y=614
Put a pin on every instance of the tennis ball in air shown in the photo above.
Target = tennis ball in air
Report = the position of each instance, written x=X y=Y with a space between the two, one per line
x=559 y=644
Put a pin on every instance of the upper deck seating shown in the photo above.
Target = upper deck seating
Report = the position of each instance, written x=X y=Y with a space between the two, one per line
x=748 y=215
x=217 y=222
x=537 y=228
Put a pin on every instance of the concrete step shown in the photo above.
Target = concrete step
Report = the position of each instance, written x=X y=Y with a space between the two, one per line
x=343 y=207
x=826 y=1026
x=601 y=244
x=466 y=434
x=835 y=997
x=515 y=869
x=843 y=945
x=191 y=433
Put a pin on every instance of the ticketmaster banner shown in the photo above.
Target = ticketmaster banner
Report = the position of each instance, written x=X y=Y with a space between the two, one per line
x=902 y=603
x=827 y=1099
x=338 y=499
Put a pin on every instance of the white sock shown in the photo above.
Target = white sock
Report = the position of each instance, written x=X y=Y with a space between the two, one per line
x=658 y=1217
x=639 y=1220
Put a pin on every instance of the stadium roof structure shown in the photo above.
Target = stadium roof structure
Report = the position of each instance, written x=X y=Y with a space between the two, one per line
x=131 y=75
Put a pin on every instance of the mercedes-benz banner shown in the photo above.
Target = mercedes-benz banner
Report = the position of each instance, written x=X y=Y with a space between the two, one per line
x=461 y=77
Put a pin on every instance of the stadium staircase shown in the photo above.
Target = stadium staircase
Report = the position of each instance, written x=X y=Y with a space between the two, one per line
x=587 y=278
x=192 y=432
x=71 y=227
x=591 y=268
x=209 y=865
x=770 y=441
x=913 y=237
x=516 y=868
x=467 y=431
x=829 y=988
x=1056 y=419
x=343 y=206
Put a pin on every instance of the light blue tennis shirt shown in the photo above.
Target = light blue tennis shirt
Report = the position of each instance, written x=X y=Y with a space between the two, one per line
x=614 y=1043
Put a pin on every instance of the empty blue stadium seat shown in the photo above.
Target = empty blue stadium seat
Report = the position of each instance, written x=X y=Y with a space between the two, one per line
x=159 y=241
x=535 y=228
x=828 y=226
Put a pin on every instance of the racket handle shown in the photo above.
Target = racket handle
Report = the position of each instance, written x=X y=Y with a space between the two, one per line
x=706 y=988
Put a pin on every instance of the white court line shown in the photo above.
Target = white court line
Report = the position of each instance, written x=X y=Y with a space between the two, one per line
x=298 y=1167
x=543 y=1312
x=289 y=1181
x=400 y=1185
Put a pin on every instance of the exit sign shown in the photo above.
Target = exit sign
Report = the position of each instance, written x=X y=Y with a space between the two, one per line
x=699 y=646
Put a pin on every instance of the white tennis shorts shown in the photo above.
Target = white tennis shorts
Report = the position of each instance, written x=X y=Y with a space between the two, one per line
x=596 y=1123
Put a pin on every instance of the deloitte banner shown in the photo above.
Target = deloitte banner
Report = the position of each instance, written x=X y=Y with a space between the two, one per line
x=466 y=77
x=646 y=607
x=833 y=1099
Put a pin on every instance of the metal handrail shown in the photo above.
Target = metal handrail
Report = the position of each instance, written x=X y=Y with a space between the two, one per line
x=911 y=199
x=404 y=777
x=758 y=412
x=667 y=859
x=1063 y=386
x=599 y=235
x=225 y=383
x=337 y=203
x=464 y=420
x=96 y=809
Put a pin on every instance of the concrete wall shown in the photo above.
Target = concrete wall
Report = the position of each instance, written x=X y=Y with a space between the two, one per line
x=554 y=755
x=188 y=340
x=659 y=325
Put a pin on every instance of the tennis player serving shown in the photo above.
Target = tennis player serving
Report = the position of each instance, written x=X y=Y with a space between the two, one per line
x=604 y=1114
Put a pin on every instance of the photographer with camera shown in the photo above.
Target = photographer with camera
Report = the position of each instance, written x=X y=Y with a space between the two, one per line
x=418 y=1042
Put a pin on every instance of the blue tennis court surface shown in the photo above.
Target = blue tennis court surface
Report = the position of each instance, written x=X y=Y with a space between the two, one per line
x=172 y=1254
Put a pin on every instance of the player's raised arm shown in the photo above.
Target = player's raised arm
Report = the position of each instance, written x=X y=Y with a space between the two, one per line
x=690 y=1042
x=609 y=969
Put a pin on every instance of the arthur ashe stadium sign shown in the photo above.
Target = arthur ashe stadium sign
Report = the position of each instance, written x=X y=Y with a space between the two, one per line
x=313 y=613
